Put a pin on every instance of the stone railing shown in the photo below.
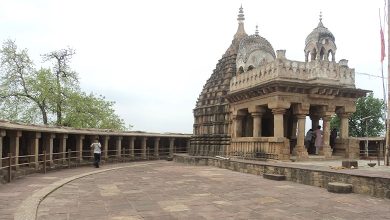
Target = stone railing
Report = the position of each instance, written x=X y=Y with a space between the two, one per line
x=32 y=147
x=318 y=72
x=261 y=147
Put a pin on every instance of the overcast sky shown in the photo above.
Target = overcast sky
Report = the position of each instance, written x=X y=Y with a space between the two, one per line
x=153 y=57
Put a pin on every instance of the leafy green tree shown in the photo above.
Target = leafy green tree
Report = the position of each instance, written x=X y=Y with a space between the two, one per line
x=65 y=79
x=91 y=111
x=20 y=93
x=49 y=96
x=368 y=120
x=335 y=122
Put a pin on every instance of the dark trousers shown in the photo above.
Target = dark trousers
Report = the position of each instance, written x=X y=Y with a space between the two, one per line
x=97 y=159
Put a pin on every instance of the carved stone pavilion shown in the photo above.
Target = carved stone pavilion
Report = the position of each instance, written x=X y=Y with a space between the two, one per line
x=257 y=101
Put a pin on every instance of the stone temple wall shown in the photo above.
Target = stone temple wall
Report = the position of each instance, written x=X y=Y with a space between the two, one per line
x=211 y=126
x=212 y=121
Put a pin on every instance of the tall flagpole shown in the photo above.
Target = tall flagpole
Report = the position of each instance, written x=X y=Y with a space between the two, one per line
x=382 y=48
x=388 y=88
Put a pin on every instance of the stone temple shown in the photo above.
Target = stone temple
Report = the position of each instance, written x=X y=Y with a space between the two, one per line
x=258 y=101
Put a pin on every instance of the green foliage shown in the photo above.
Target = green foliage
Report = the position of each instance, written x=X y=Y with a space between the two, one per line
x=49 y=96
x=335 y=122
x=368 y=120
x=22 y=93
x=373 y=126
x=65 y=80
x=91 y=111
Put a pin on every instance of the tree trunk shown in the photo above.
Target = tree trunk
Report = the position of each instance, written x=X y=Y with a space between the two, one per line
x=59 y=114
x=44 y=114
x=59 y=98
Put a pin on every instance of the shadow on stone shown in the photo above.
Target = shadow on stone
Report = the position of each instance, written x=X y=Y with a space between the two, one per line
x=276 y=177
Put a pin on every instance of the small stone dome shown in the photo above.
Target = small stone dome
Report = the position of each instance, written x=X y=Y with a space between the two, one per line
x=320 y=43
x=253 y=51
x=318 y=33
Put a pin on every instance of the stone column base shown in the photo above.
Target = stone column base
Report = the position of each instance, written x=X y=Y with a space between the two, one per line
x=327 y=151
x=301 y=152
x=284 y=150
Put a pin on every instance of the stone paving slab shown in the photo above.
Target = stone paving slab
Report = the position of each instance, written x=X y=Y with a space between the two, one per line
x=12 y=195
x=172 y=201
x=167 y=190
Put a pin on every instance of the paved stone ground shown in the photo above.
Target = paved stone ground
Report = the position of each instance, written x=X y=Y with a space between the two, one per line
x=167 y=190
x=12 y=195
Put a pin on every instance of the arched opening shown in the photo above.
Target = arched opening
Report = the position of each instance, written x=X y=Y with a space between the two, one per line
x=326 y=57
x=313 y=54
x=240 y=70
x=250 y=68
x=322 y=53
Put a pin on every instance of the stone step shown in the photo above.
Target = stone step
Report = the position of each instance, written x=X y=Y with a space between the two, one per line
x=337 y=187
x=349 y=164
x=276 y=177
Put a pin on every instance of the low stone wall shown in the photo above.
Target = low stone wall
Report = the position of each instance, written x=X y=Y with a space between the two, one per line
x=209 y=145
x=349 y=148
x=369 y=185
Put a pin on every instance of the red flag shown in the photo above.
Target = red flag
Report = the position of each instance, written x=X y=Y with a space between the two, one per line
x=383 y=52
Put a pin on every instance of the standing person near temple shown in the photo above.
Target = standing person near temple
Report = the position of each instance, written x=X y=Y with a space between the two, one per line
x=309 y=140
x=333 y=136
x=97 y=150
x=319 y=141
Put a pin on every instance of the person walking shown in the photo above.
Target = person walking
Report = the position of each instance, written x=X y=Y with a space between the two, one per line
x=318 y=142
x=97 y=151
x=309 y=140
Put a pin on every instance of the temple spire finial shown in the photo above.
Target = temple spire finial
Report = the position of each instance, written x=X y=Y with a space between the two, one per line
x=241 y=17
x=240 y=30
x=320 y=24
x=257 y=30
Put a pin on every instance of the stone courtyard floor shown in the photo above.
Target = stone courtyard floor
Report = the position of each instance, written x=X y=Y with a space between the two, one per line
x=169 y=190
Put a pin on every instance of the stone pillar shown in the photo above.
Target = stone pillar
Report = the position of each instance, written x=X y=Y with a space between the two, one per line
x=143 y=153
x=118 y=144
x=2 y=134
x=14 y=145
x=257 y=121
x=132 y=139
x=300 y=147
x=62 y=139
x=237 y=124
x=315 y=121
x=34 y=149
x=105 y=146
x=171 y=145
x=278 y=121
x=327 y=150
x=79 y=147
x=344 y=125
x=188 y=145
x=156 y=147
x=48 y=145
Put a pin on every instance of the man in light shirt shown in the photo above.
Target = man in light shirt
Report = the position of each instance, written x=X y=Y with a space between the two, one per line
x=319 y=141
x=97 y=150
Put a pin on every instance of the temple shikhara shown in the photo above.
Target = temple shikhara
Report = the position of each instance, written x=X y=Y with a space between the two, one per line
x=258 y=101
